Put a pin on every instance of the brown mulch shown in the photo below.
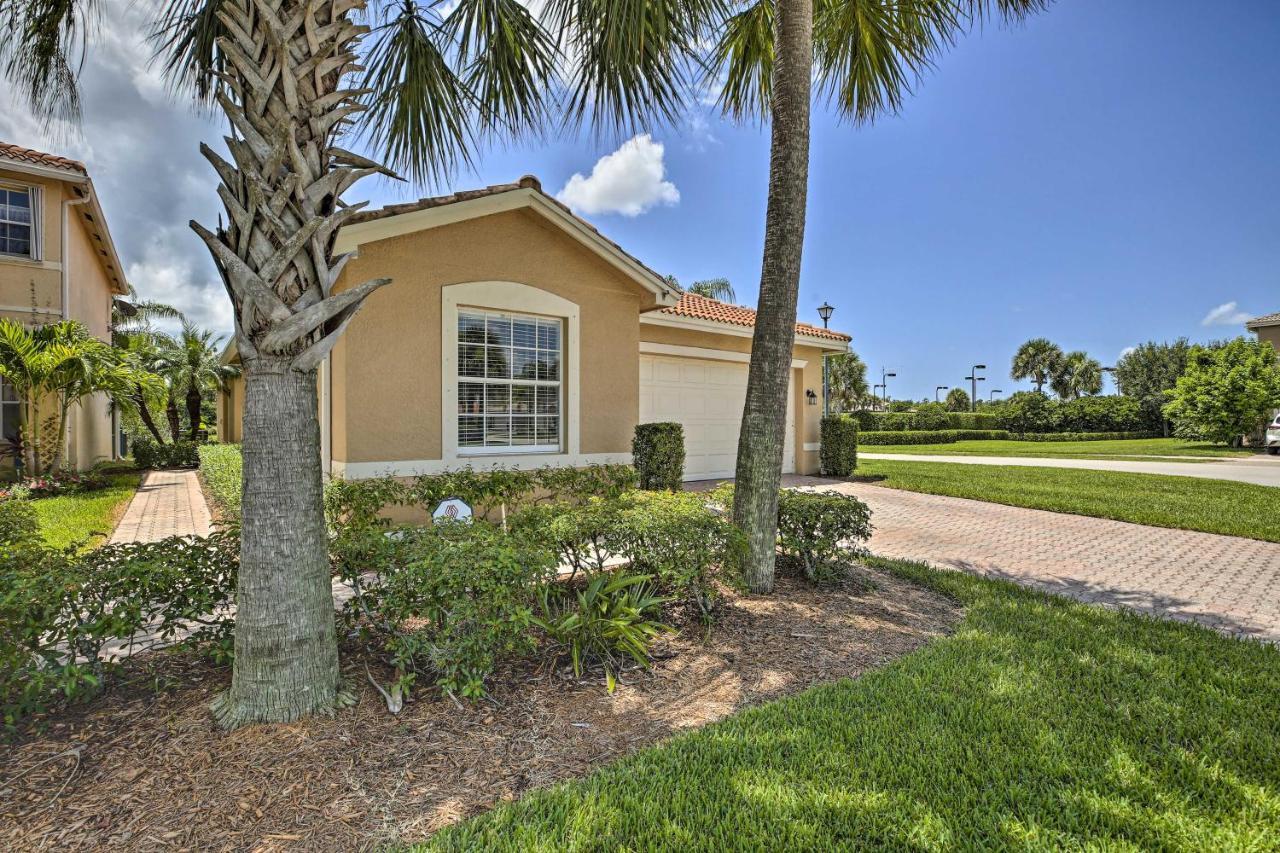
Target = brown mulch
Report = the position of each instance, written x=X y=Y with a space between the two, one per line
x=143 y=768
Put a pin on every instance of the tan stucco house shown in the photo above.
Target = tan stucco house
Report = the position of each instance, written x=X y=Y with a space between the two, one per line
x=515 y=334
x=57 y=262
x=1267 y=329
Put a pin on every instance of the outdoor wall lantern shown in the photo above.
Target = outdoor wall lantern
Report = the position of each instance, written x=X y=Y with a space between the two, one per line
x=810 y=397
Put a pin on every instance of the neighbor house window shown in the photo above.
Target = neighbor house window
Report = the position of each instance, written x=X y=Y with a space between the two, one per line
x=16 y=235
x=10 y=411
x=508 y=383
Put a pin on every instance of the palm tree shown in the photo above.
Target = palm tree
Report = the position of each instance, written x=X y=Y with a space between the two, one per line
x=196 y=368
x=146 y=352
x=867 y=54
x=714 y=288
x=1077 y=375
x=846 y=382
x=1039 y=360
x=134 y=315
x=440 y=80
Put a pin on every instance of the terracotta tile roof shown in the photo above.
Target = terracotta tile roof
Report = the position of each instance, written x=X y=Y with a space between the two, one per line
x=1266 y=320
x=529 y=182
x=702 y=308
x=17 y=153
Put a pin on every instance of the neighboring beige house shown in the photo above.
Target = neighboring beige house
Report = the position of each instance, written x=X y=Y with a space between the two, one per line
x=57 y=262
x=515 y=334
x=1267 y=329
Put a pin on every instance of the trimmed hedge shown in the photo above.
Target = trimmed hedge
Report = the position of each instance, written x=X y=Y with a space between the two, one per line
x=950 y=436
x=657 y=453
x=839 y=448
x=926 y=420
x=221 y=468
x=180 y=454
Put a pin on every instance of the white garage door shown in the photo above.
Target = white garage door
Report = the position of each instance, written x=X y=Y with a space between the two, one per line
x=705 y=397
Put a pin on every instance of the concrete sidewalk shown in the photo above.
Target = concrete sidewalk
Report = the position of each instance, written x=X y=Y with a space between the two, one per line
x=1261 y=471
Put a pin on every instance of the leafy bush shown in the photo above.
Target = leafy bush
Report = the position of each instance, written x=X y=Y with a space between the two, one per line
x=180 y=454
x=839 y=447
x=19 y=523
x=490 y=493
x=1085 y=436
x=580 y=534
x=816 y=528
x=658 y=454
x=221 y=471
x=55 y=483
x=1098 y=414
x=449 y=601
x=1027 y=411
x=66 y=614
x=947 y=436
x=612 y=619
x=929 y=416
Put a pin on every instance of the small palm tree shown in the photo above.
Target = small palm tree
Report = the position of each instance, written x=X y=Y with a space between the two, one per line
x=146 y=352
x=847 y=388
x=195 y=369
x=1077 y=376
x=1039 y=360
x=714 y=288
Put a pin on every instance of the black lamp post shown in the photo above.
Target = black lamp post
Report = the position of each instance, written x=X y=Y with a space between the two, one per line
x=825 y=311
x=940 y=388
x=884 y=383
x=974 y=378
x=994 y=392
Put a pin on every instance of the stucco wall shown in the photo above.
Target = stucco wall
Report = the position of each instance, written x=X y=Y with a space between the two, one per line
x=1270 y=334
x=387 y=376
x=89 y=298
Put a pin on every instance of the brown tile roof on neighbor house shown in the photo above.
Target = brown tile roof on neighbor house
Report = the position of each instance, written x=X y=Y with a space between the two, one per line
x=1266 y=320
x=701 y=308
x=18 y=154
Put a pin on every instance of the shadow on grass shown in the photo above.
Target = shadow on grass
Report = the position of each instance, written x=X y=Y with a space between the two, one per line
x=1040 y=723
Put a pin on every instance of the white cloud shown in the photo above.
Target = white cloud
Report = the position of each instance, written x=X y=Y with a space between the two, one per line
x=629 y=181
x=1226 y=314
x=1126 y=351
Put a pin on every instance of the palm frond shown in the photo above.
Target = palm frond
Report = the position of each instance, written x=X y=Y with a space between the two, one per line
x=631 y=63
x=508 y=62
x=419 y=110
x=714 y=288
x=42 y=47
x=185 y=43
x=742 y=63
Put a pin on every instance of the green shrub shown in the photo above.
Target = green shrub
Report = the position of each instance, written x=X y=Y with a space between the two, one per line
x=686 y=544
x=1085 y=436
x=1098 y=414
x=818 y=528
x=1027 y=411
x=221 y=470
x=65 y=613
x=658 y=454
x=449 y=601
x=839 y=447
x=581 y=534
x=948 y=436
x=19 y=523
x=930 y=418
x=613 y=619
x=180 y=454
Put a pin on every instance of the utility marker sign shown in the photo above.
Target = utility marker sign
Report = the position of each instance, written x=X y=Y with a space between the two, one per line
x=452 y=509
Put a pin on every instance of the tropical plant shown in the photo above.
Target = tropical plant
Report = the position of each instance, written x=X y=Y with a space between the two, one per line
x=194 y=368
x=1077 y=375
x=144 y=352
x=957 y=400
x=863 y=57
x=1226 y=392
x=847 y=388
x=714 y=288
x=1147 y=372
x=1039 y=360
x=52 y=368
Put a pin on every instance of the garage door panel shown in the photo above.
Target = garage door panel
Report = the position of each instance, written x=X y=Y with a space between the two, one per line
x=706 y=398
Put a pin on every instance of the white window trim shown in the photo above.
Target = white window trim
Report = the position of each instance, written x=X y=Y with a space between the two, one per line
x=517 y=298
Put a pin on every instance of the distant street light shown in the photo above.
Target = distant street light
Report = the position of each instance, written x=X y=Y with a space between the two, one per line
x=975 y=379
x=994 y=392
x=884 y=380
x=940 y=388
x=874 y=389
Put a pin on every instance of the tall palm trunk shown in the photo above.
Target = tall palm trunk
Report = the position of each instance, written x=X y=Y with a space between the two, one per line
x=144 y=413
x=172 y=416
x=193 y=411
x=285 y=61
x=764 y=416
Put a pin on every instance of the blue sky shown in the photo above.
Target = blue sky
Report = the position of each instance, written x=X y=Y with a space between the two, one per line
x=1104 y=175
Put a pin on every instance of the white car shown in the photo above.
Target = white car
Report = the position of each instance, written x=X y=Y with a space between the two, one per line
x=1273 y=436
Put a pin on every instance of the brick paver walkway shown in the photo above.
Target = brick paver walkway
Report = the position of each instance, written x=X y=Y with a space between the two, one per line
x=1227 y=583
x=168 y=503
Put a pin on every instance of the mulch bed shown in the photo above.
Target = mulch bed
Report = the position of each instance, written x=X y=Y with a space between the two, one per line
x=143 y=768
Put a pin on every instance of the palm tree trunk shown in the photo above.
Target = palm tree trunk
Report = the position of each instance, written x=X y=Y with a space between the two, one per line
x=144 y=413
x=286 y=655
x=175 y=421
x=193 y=411
x=764 y=416
x=281 y=189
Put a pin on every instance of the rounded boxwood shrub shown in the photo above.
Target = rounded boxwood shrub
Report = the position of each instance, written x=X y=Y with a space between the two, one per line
x=657 y=452
x=839 y=447
x=180 y=454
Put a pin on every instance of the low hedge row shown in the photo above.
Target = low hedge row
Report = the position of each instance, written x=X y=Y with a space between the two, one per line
x=950 y=436
x=927 y=420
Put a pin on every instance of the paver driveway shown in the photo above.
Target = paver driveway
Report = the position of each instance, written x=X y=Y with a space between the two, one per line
x=1224 y=582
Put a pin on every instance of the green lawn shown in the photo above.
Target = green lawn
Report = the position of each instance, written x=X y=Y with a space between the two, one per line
x=1077 y=449
x=1041 y=724
x=1188 y=503
x=72 y=518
